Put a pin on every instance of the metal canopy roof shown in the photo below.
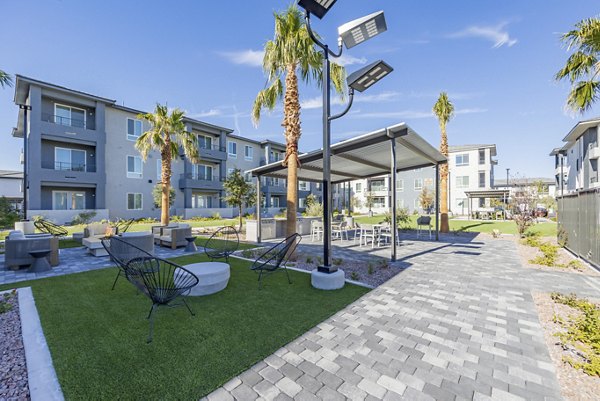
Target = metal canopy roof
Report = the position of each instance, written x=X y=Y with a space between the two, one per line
x=365 y=156
x=488 y=193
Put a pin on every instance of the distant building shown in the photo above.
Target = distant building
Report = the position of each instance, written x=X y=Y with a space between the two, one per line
x=11 y=187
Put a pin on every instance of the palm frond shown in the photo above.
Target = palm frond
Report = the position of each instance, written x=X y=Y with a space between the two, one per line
x=583 y=95
x=443 y=109
x=5 y=79
x=578 y=65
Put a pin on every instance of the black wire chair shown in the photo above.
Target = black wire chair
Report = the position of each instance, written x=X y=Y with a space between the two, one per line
x=121 y=252
x=123 y=225
x=222 y=243
x=276 y=257
x=161 y=281
x=48 y=227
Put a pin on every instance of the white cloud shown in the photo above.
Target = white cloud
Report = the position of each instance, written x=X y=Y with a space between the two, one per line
x=497 y=34
x=317 y=102
x=253 y=58
x=209 y=113
x=346 y=60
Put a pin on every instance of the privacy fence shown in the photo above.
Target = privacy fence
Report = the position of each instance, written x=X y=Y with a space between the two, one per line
x=579 y=224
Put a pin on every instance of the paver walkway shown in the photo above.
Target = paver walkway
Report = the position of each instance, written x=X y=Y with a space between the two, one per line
x=458 y=324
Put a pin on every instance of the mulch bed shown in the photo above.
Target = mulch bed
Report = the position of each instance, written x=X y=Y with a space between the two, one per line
x=574 y=383
x=13 y=369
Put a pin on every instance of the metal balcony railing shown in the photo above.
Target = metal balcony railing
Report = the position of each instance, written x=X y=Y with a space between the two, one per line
x=63 y=166
x=69 y=122
x=211 y=147
x=200 y=177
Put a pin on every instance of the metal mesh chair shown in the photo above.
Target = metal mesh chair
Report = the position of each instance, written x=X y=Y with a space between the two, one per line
x=161 y=281
x=48 y=227
x=222 y=243
x=123 y=225
x=276 y=257
x=121 y=252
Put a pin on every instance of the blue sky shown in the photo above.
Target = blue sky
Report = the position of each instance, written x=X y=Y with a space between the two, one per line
x=495 y=59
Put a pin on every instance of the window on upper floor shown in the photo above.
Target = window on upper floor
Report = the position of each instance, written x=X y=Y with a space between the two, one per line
x=481 y=156
x=248 y=152
x=69 y=159
x=205 y=142
x=232 y=149
x=400 y=185
x=359 y=187
x=70 y=116
x=302 y=202
x=202 y=172
x=418 y=184
x=462 y=159
x=134 y=167
x=482 y=179
x=303 y=186
x=134 y=129
x=462 y=181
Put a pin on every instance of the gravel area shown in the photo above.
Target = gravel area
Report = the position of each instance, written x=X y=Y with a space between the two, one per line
x=13 y=369
x=574 y=383
x=526 y=253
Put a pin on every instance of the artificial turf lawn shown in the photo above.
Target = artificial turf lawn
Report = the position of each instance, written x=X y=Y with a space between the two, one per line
x=97 y=337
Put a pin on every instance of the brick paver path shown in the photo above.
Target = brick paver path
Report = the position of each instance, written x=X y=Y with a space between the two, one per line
x=458 y=324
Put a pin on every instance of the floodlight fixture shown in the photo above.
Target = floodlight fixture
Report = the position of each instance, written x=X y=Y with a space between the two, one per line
x=318 y=8
x=365 y=77
x=355 y=32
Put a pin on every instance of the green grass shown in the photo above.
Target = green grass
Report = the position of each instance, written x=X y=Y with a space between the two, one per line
x=68 y=243
x=201 y=241
x=505 y=227
x=97 y=337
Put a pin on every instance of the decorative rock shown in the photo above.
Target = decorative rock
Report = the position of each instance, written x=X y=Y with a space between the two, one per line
x=327 y=281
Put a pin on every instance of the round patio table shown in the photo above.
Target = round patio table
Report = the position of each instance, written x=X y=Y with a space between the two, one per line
x=213 y=277
x=40 y=263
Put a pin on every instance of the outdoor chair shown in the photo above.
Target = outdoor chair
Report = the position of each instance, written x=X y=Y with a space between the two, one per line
x=161 y=281
x=276 y=257
x=339 y=230
x=123 y=225
x=18 y=246
x=423 y=222
x=222 y=243
x=175 y=236
x=385 y=235
x=48 y=227
x=316 y=230
x=367 y=232
x=121 y=251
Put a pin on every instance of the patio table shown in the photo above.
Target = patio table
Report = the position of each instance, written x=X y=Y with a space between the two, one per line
x=213 y=277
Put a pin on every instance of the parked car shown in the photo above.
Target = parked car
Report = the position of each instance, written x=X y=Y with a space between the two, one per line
x=540 y=212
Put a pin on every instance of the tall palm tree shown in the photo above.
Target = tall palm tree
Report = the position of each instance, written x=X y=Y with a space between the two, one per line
x=166 y=135
x=291 y=52
x=5 y=79
x=444 y=111
x=583 y=66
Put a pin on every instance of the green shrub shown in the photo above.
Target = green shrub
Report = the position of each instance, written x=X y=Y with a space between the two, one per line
x=354 y=276
x=146 y=220
x=370 y=269
x=216 y=216
x=248 y=253
x=84 y=217
x=549 y=255
x=337 y=261
x=562 y=237
x=176 y=219
x=4 y=305
x=575 y=264
x=8 y=216
x=309 y=260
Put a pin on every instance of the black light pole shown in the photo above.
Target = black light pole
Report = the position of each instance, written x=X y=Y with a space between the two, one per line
x=25 y=109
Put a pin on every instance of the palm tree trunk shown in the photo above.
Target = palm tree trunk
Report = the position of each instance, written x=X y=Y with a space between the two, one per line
x=444 y=224
x=166 y=181
x=291 y=123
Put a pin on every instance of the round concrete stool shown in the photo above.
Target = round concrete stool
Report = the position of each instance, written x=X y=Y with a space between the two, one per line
x=213 y=277
x=40 y=263
x=327 y=281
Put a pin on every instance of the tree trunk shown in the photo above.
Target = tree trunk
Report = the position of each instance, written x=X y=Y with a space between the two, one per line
x=166 y=181
x=444 y=224
x=291 y=124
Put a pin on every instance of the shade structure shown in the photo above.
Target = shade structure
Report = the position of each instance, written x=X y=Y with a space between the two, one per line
x=363 y=157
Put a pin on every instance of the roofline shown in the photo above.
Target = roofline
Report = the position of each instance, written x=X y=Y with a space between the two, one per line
x=19 y=78
x=596 y=119
x=263 y=142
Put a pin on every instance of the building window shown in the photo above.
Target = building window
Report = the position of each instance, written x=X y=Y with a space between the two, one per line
x=418 y=184
x=379 y=201
x=302 y=202
x=482 y=179
x=481 y=156
x=462 y=181
x=69 y=159
x=303 y=186
x=205 y=142
x=134 y=129
x=202 y=172
x=159 y=170
x=230 y=171
x=274 y=201
x=134 y=201
x=201 y=201
x=358 y=187
x=248 y=177
x=400 y=185
x=248 y=152
x=70 y=116
x=232 y=149
x=318 y=186
x=462 y=160
x=481 y=202
x=134 y=167
x=378 y=185
x=67 y=200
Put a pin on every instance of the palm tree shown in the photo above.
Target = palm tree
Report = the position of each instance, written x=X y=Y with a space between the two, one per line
x=583 y=66
x=291 y=52
x=166 y=135
x=444 y=111
x=5 y=79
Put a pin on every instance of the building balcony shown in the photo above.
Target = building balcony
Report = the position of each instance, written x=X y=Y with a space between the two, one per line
x=594 y=152
x=69 y=122
x=215 y=152
x=276 y=189
x=195 y=181
x=56 y=127
x=85 y=168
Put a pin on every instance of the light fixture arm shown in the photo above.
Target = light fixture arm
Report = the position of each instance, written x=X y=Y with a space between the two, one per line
x=343 y=113
x=318 y=42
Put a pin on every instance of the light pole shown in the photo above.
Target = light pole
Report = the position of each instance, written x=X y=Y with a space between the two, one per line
x=25 y=108
x=350 y=35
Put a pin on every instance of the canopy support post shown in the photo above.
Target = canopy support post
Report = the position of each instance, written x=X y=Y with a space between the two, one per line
x=258 y=207
x=437 y=202
x=394 y=227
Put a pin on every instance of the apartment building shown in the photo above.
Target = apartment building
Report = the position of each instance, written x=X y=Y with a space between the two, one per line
x=11 y=187
x=578 y=158
x=81 y=156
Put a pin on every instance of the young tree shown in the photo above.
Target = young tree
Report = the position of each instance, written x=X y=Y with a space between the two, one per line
x=8 y=215
x=238 y=192
x=291 y=52
x=166 y=135
x=522 y=206
x=5 y=79
x=444 y=111
x=582 y=68
x=426 y=199
x=157 y=195
x=369 y=201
